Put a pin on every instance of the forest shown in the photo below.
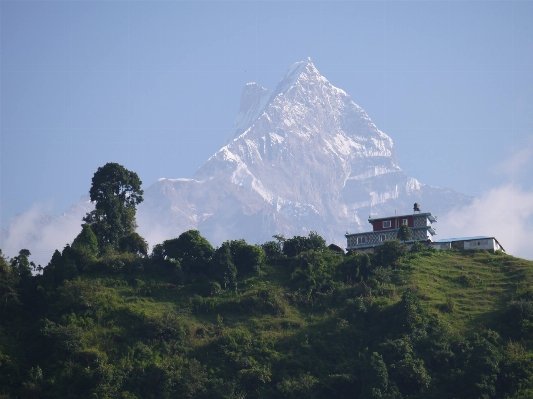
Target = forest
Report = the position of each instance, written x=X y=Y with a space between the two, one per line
x=288 y=318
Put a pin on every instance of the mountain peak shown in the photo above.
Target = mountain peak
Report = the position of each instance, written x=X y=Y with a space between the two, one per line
x=255 y=98
x=302 y=70
x=251 y=93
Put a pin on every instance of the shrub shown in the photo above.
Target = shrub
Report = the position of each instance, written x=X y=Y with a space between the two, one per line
x=272 y=249
x=191 y=249
x=247 y=258
x=349 y=270
x=222 y=268
x=298 y=244
x=265 y=301
x=389 y=253
x=302 y=386
x=466 y=280
x=133 y=243
x=314 y=271
x=213 y=289
x=448 y=306
x=417 y=247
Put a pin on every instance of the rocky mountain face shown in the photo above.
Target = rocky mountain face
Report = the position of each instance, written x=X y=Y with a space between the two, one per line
x=303 y=157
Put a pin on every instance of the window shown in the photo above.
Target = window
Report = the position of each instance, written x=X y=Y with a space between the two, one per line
x=361 y=240
x=404 y=221
x=382 y=237
x=386 y=224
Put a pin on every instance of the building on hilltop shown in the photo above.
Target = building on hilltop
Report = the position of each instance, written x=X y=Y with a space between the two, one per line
x=386 y=228
x=478 y=242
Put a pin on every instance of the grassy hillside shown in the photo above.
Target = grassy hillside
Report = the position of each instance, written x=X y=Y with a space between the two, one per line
x=476 y=286
x=423 y=324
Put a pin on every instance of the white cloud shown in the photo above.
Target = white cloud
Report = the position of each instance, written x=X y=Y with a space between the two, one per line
x=42 y=233
x=516 y=164
x=155 y=234
x=504 y=212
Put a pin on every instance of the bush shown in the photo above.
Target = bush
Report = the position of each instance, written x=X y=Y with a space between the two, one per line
x=247 y=258
x=133 y=243
x=86 y=241
x=191 y=249
x=113 y=262
x=302 y=386
x=349 y=270
x=222 y=268
x=212 y=289
x=466 y=280
x=382 y=274
x=418 y=247
x=272 y=249
x=519 y=317
x=298 y=244
x=389 y=253
x=314 y=271
x=265 y=301
x=448 y=306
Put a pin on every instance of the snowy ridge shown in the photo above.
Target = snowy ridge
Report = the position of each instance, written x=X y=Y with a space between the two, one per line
x=298 y=70
x=253 y=101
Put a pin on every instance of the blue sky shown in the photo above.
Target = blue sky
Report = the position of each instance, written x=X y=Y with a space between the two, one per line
x=155 y=86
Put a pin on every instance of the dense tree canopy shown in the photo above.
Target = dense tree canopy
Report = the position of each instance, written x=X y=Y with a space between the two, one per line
x=86 y=241
x=294 y=246
x=133 y=243
x=9 y=279
x=191 y=249
x=247 y=258
x=222 y=268
x=116 y=192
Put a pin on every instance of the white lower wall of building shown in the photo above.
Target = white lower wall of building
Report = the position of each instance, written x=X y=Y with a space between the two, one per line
x=486 y=243
x=441 y=245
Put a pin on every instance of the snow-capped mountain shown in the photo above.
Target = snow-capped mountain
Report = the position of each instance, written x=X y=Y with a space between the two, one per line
x=303 y=157
x=299 y=158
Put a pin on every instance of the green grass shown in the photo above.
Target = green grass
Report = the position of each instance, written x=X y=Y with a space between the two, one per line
x=466 y=289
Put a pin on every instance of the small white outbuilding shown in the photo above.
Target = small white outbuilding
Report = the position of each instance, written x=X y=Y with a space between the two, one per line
x=478 y=242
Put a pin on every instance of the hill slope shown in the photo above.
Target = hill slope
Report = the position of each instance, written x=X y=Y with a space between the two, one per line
x=423 y=324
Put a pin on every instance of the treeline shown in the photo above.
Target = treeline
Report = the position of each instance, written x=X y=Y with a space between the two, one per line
x=288 y=318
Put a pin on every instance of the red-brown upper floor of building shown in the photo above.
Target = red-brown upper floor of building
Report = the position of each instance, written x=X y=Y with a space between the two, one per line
x=395 y=222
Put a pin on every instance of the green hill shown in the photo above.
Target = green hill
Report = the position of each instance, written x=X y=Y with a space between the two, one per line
x=423 y=324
